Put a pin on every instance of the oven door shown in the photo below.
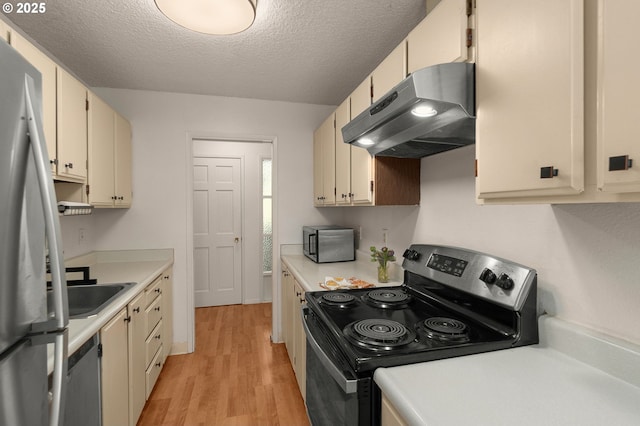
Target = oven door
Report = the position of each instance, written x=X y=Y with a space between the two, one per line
x=335 y=395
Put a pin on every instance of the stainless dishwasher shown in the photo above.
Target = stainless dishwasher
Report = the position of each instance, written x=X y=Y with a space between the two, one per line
x=83 y=386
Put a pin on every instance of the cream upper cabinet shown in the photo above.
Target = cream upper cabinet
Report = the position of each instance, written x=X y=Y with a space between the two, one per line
x=343 y=155
x=530 y=98
x=361 y=160
x=324 y=166
x=72 y=127
x=618 y=154
x=391 y=71
x=109 y=152
x=122 y=165
x=4 y=31
x=48 y=70
x=441 y=37
x=101 y=152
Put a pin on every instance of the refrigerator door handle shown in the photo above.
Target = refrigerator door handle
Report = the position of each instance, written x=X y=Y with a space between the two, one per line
x=52 y=224
x=58 y=390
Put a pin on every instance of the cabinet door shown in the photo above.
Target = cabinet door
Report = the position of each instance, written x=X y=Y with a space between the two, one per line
x=48 y=70
x=618 y=155
x=122 y=161
x=300 y=340
x=288 y=317
x=391 y=71
x=115 y=371
x=530 y=103
x=4 y=31
x=441 y=37
x=361 y=160
x=101 y=152
x=167 y=313
x=137 y=365
x=72 y=127
x=343 y=155
x=324 y=166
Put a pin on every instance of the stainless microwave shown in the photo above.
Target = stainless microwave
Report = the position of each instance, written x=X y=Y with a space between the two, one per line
x=329 y=243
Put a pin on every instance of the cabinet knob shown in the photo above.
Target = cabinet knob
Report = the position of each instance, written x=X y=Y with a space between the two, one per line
x=157 y=290
x=158 y=337
x=621 y=162
x=68 y=165
x=136 y=309
x=127 y=319
x=548 y=172
x=54 y=161
x=158 y=364
x=157 y=308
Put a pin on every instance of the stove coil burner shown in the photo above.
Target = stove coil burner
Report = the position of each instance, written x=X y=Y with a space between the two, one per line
x=445 y=329
x=337 y=299
x=380 y=334
x=387 y=298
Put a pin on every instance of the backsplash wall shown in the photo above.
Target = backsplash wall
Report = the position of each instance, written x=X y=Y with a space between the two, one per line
x=586 y=255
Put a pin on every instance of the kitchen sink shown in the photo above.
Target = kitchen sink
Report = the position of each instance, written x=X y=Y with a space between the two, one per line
x=89 y=300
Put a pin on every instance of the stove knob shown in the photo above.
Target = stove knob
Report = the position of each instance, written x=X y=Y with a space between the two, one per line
x=488 y=276
x=505 y=282
x=411 y=254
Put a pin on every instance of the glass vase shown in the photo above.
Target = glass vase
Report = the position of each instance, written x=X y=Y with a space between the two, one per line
x=383 y=274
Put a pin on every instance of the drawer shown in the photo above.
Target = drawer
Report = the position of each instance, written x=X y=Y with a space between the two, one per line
x=153 y=315
x=152 y=343
x=153 y=372
x=152 y=291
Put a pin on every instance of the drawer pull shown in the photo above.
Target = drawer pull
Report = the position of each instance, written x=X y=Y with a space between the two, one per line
x=158 y=364
x=157 y=309
x=548 y=172
x=157 y=290
x=158 y=337
x=136 y=309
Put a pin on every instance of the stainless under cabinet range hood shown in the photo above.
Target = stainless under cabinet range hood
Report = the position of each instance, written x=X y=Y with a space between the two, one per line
x=431 y=111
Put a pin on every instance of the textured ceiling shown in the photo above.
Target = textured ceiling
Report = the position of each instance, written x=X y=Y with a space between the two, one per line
x=313 y=51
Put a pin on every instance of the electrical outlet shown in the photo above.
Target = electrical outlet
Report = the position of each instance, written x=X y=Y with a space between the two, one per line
x=81 y=235
x=385 y=235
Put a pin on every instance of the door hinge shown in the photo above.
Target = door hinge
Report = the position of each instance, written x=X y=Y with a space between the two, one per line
x=99 y=350
x=470 y=7
x=469 y=37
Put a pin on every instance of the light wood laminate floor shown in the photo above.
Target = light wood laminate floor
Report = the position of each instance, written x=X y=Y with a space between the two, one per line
x=236 y=376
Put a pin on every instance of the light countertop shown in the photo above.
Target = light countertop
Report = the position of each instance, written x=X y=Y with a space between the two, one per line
x=573 y=377
x=139 y=266
x=310 y=274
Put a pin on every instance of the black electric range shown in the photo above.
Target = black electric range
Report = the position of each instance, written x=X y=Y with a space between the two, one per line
x=452 y=302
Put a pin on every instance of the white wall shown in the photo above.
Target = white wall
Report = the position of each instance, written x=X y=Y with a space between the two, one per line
x=158 y=218
x=587 y=256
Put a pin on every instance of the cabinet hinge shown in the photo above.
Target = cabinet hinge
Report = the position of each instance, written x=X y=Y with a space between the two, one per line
x=469 y=7
x=99 y=350
x=469 y=37
x=87 y=104
x=334 y=123
x=87 y=189
x=371 y=186
x=371 y=91
x=476 y=167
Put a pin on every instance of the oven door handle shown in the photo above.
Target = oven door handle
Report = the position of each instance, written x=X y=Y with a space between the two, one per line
x=348 y=386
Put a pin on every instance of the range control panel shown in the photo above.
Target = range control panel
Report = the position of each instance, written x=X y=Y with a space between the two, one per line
x=498 y=280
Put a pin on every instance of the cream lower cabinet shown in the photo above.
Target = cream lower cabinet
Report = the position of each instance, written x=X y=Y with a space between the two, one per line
x=47 y=69
x=299 y=340
x=109 y=152
x=71 y=104
x=167 y=313
x=115 y=371
x=389 y=415
x=292 y=300
x=137 y=366
x=132 y=353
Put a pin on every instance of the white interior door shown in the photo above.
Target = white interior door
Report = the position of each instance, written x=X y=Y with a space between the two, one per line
x=217 y=230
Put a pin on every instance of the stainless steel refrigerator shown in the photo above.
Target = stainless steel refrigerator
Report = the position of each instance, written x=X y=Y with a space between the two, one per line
x=28 y=221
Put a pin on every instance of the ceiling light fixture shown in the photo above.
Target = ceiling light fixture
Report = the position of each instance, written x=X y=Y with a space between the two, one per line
x=219 y=17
